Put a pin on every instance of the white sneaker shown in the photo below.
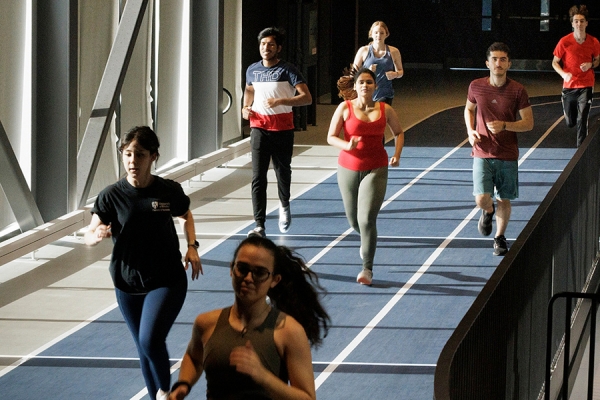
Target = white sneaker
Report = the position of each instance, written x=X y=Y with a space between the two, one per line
x=258 y=231
x=160 y=395
x=365 y=277
x=285 y=218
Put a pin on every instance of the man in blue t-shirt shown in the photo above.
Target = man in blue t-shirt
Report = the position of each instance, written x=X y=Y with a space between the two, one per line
x=273 y=87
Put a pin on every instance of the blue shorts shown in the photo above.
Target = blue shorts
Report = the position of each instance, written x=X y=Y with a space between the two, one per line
x=497 y=177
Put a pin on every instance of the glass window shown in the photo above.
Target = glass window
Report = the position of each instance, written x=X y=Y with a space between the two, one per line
x=544 y=12
x=486 y=15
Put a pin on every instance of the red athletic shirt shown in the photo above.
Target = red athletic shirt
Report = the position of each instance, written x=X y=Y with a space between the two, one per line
x=369 y=153
x=573 y=54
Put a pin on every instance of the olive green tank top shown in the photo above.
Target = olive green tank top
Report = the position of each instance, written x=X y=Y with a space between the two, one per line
x=223 y=381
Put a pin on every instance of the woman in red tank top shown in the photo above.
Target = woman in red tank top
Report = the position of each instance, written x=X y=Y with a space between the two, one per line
x=363 y=163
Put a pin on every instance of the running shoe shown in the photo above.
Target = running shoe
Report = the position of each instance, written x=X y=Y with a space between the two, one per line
x=500 y=246
x=485 y=222
x=365 y=277
x=162 y=395
x=258 y=231
x=285 y=218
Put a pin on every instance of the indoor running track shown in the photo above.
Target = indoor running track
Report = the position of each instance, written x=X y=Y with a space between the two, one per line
x=430 y=265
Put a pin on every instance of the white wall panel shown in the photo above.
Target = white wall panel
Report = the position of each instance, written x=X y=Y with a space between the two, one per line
x=98 y=22
x=12 y=84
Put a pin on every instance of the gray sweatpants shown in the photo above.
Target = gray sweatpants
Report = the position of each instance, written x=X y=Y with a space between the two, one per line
x=363 y=193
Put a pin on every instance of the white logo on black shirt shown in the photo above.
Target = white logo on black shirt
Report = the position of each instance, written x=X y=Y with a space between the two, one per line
x=161 y=206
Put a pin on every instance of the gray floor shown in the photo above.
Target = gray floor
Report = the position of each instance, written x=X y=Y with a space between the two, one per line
x=48 y=294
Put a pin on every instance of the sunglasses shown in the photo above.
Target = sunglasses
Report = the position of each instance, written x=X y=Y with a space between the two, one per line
x=259 y=274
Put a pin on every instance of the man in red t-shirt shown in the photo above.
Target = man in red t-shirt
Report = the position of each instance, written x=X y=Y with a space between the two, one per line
x=497 y=108
x=575 y=57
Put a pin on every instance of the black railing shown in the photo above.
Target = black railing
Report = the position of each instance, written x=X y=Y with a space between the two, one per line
x=568 y=355
x=498 y=348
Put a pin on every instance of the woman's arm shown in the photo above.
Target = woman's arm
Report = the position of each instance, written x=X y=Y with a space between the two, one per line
x=96 y=231
x=360 y=56
x=397 y=59
x=191 y=364
x=394 y=124
x=187 y=224
x=294 y=349
x=335 y=127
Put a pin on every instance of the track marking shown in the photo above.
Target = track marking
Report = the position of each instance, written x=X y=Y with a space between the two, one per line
x=34 y=353
x=332 y=366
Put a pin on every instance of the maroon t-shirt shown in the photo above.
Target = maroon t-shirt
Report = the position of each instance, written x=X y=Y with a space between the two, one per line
x=497 y=104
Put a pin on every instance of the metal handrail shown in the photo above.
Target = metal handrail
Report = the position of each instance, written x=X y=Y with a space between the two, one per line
x=569 y=296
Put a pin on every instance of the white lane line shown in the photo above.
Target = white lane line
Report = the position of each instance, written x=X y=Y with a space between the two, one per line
x=76 y=358
x=331 y=367
x=390 y=304
x=386 y=309
x=385 y=203
x=540 y=140
x=316 y=258
x=377 y=364
x=177 y=361
x=46 y=346
x=234 y=233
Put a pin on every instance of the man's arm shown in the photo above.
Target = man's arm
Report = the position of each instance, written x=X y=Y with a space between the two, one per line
x=247 y=102
x=558 y=68
x=469 y=115
x=523 y=125
x=596 y=61
x=302 y=98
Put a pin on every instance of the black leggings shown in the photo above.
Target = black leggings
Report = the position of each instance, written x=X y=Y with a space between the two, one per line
x=149 y=318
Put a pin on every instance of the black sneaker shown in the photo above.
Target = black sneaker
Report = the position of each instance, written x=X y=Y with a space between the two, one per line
x=500 y=246
x=485 y=222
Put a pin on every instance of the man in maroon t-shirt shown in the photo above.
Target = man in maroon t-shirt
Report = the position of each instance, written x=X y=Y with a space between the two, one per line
x=497 y=108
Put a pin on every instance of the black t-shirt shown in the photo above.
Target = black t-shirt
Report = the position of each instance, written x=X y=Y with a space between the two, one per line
x=146 y=247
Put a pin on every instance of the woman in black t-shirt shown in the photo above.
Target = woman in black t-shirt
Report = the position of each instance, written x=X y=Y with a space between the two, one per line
x=146 y=268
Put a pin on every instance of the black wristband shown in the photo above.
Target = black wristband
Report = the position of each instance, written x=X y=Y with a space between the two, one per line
x=182 y=383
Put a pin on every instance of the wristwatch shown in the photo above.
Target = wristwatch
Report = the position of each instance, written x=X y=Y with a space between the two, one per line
x=194 y=245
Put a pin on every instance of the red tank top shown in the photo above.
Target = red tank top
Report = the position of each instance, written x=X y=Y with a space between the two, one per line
x=369 y=153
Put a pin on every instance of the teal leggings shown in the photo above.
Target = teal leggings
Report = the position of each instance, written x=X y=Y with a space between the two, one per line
x=363 y=193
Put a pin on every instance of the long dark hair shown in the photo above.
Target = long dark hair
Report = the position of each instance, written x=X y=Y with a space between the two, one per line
x=296 y=293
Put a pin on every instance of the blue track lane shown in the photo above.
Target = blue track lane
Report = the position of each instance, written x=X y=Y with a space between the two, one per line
x=430 y=265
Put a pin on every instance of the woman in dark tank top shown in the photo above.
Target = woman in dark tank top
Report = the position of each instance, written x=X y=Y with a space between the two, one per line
x=256 y=347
